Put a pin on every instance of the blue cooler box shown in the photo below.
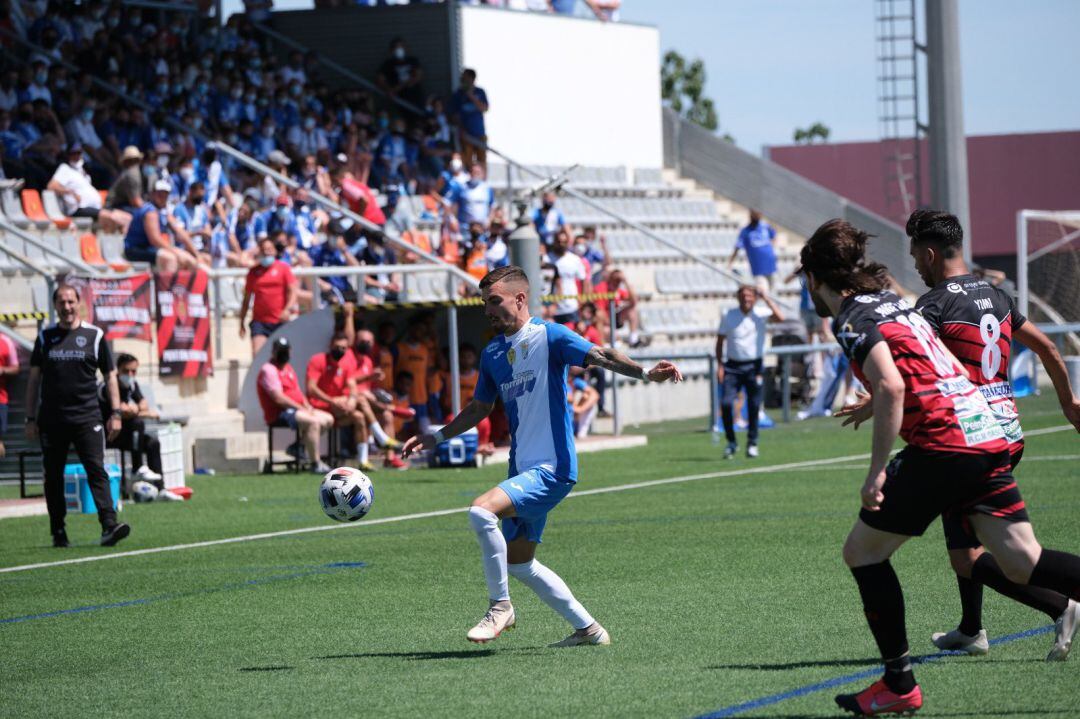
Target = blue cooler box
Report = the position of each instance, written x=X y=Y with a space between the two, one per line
x=77 y=489
x=457 y=451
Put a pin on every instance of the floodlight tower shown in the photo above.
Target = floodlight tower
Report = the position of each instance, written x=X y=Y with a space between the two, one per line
x=900 y=58
x=948 y=145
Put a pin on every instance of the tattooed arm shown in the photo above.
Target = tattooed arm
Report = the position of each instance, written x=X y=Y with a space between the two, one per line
x=612 y=359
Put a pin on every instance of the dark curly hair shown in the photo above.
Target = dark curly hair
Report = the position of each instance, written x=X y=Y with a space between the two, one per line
x=937 y=227
x=836 y=255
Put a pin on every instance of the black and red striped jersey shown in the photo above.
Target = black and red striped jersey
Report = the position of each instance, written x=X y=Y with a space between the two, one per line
x=976 y=321
x=943 y=410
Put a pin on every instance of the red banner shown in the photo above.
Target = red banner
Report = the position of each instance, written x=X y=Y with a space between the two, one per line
x=183 y=316
x=118 y=305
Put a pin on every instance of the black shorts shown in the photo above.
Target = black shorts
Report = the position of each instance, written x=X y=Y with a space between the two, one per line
x=959 y=534
x=920 y=484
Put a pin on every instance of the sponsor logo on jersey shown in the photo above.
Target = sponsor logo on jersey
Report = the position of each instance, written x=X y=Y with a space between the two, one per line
x=511 y=355
x=865 y=299
x=955 y=288
x=80 y=341
x=520 y=385
x=980 y=428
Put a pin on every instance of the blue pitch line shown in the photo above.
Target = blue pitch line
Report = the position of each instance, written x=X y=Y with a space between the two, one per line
x=324 y=569
x=771 y=699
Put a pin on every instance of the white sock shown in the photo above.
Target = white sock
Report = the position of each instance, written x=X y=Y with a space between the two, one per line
x=553 y=591
x=362 y=452
x=492 y=550
x=380 y=435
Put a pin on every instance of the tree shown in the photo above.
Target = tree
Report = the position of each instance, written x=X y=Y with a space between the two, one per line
x=815 y=131
x=682 y=88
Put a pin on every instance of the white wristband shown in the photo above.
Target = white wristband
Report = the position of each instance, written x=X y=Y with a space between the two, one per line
x=645 y=377
x=438 y=437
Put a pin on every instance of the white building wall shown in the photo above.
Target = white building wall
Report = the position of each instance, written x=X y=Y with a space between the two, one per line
x=565 y=90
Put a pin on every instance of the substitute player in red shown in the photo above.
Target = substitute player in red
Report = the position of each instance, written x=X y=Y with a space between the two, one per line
x=977 y=323
x=956 y=456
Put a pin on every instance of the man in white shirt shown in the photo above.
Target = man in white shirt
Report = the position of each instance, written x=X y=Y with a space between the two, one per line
x=78 y=196
x=569 y=270
x=744 y=331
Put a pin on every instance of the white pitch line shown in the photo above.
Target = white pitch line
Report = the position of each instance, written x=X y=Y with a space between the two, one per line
x=443 y=512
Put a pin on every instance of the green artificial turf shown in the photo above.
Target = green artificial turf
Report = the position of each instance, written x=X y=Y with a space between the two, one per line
x=716 y=592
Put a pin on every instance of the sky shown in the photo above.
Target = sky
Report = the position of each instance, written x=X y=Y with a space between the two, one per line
x=774 y=65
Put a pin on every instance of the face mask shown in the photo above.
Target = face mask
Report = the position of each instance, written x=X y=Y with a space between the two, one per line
x=580 y=250
x=399 y=53
x=233 y=137
x=267 y=260
x=126 y=382
x=309 y=123
x=178 y=88
x=163 y=89
x=295 y=90
x=227 y=64
x=283 y=213
x=547 y=205
x=188 y=173
x=268 y=130
x=384 y=122
x=363 y=347
x=78 y=164
x=236 y=93
x=196 y=122
x=60 y=83
x=88 y=114
x=337 y=353
x=147 y=171
x=40 y=77
x=256 y=63
x=203 y=88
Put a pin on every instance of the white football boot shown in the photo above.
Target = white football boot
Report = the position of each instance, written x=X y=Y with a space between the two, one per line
x=597 y=636
x=957 y=641
x=499 y=618
x=1064 y=630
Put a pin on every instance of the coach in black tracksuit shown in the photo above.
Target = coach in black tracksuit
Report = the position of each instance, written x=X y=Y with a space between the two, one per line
x=64 y=365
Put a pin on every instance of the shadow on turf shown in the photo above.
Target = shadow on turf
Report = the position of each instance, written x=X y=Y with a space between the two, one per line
x=266 y=669
x=415 y=656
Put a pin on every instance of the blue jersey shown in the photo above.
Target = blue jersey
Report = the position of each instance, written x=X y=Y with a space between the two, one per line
x=757 y=240
x=528 y=371
x=136 y=237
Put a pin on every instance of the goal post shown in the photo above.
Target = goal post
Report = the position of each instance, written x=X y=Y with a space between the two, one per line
x=1048 y=265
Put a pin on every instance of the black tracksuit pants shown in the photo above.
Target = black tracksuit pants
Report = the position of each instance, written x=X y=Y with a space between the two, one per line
x=89 y=440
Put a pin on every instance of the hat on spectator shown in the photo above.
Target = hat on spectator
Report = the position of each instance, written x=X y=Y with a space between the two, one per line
x=131 y=153
x=283 y=200
x=162 y=186
x=163 y=148
x=252 y=194
x=277 y=157
x=281 y=343
x=342 y=158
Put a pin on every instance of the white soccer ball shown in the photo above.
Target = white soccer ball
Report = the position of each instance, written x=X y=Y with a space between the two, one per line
x=143 y=491
x=346 y=494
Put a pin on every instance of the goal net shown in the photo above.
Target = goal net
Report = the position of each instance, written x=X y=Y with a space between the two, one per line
x=1048 y=268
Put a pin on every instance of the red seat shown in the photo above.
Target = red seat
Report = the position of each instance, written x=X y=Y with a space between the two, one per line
x=34 y=210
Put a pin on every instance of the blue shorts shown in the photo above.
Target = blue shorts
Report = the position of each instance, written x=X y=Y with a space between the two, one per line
x=534 y=492
x=420 y=409
x=264 y=329
x=288 y=416
x=141 y=254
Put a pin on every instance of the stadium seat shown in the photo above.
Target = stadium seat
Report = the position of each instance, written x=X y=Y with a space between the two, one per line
x=90 y=251
x=51 y=204
x=34 y=211
x=13 y=209
x=268 y=466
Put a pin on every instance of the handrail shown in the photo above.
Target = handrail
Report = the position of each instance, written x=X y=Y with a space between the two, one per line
x=347 y=212
x=355 y=77
x=345 y=271
x=29 y=264
x=73 y=261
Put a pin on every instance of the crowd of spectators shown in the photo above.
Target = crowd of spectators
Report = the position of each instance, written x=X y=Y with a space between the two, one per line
x=603 y=10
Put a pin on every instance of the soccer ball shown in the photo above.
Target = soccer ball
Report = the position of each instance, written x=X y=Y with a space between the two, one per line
x=346 y=494
x=142 y=491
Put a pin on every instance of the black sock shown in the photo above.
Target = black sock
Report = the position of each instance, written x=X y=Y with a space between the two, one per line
x=898 y=674
x=1059 y=571
x=1049 y=602
x=883 y=604
x=971 y=597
